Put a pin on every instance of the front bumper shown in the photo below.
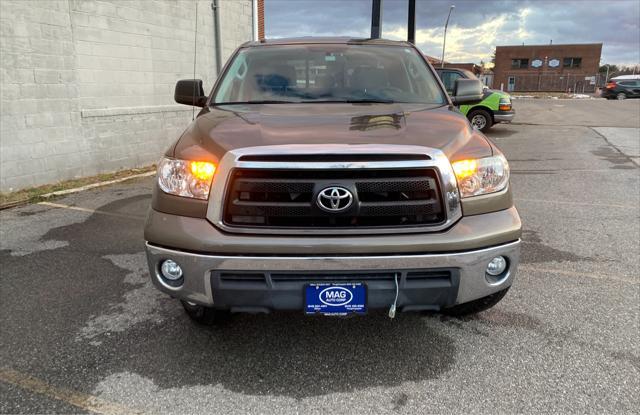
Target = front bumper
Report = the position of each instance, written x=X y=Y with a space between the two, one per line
x=504 y=116
x=254 y=288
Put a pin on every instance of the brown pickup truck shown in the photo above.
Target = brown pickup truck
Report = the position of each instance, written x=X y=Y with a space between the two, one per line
x=332 y=176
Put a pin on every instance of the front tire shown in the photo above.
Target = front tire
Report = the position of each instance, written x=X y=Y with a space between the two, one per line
x=205 y=315
x=475 y=306
x=621 y=96
x=480 y=119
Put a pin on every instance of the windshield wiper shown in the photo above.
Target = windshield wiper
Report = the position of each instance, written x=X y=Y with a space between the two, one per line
x=350 y=101
x=339 y=101
x=265 y=101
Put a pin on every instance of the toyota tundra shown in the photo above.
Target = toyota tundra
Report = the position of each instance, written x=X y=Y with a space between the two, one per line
x=331 y=176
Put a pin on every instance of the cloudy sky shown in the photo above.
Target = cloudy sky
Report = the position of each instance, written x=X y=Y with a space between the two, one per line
x=475 y=28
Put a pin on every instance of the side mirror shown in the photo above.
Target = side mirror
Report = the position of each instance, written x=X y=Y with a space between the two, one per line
x=467 y=91
x=190 y=92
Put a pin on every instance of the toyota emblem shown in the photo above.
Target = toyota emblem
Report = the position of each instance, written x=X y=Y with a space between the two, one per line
x=334 y=199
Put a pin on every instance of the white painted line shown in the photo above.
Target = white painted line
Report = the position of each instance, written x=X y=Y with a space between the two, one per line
x=558 y=202
x=100 y=212
x=99 y=184
x=625 y=278
x=78 y=399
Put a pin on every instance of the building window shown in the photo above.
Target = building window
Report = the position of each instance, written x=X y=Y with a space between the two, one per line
x=572 y=62
x=519 y=63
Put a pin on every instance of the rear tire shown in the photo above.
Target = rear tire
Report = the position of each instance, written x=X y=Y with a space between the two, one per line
x=480 y=119
x=207 y=316
x=621 y=96
x=475 y=306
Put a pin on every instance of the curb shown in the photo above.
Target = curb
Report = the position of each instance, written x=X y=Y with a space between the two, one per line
x=75 y=190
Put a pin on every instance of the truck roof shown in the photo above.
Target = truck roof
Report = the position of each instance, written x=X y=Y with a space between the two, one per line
x=308 y=40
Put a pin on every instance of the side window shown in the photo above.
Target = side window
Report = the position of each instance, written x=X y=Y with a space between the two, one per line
x=449 y=80
x=230 y=89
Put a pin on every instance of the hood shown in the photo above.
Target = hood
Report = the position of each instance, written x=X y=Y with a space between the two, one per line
x=500 y=93
x=221 y=129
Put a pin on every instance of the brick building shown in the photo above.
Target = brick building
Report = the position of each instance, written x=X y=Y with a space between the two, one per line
x=437 y=63
x=87 y=86
x=471 y=67
x=547 y=67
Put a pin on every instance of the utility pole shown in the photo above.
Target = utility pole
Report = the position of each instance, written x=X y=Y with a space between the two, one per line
x=411 y=23
x=376 y=19
x=444 y=41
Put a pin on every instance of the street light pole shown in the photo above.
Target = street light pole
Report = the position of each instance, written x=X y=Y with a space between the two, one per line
x=376 y=19
x=444 y=41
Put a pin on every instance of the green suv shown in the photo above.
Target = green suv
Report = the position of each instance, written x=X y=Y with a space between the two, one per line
x=494 y=108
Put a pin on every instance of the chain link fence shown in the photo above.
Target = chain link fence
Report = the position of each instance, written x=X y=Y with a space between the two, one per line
x=570 y=83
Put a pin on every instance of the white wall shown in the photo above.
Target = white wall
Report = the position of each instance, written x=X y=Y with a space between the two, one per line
x=87 y=86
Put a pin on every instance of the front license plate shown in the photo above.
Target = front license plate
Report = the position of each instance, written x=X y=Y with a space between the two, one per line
x=336 y=299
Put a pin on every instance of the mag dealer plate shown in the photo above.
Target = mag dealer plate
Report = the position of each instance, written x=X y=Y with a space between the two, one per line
x=336 y=299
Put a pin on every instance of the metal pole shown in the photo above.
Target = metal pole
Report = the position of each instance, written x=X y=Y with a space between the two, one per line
x=216 y=33
x=411 y=24
x=606 y=78
x=444 y=41
x=376 y=19
x=254 y=20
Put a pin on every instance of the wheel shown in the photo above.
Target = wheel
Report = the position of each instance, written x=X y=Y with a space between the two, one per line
x=205 y=315
x=621 y=96
x=480 y=119
x=475 y=306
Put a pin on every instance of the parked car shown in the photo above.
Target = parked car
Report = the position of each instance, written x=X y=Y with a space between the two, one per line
x=495 y=107
x=621 y=89
x=331 y=176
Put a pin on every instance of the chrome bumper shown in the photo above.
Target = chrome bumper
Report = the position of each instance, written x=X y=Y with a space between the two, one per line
x=508 y=117
x=199 y=268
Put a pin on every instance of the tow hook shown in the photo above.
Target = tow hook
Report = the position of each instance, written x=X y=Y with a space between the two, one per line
x=392 y=309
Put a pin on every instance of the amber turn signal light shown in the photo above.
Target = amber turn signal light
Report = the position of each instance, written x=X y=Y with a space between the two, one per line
x=203 y=170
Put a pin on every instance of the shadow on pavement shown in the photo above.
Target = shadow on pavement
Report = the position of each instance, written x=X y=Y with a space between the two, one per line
x=286 y=354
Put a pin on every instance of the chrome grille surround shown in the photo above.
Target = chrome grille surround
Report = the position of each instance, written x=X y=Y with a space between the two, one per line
x=436 y=160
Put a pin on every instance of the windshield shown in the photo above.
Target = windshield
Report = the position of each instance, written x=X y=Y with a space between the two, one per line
x=328 y=73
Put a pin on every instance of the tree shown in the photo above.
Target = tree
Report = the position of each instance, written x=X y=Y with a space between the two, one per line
x=608 y=68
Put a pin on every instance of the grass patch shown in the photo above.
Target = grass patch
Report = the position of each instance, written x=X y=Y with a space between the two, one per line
x=35 y=194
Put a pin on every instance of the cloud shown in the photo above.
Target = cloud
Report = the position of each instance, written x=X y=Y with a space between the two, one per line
x=476 y=27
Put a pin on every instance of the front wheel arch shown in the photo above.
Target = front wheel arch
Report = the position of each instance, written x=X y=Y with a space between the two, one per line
x=482 y=109
x=485 y=108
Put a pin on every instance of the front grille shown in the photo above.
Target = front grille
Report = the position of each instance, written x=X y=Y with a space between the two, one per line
x=436 y=277
x=264 y=198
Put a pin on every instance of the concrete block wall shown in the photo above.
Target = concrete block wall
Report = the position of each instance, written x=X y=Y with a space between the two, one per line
x=87 y=85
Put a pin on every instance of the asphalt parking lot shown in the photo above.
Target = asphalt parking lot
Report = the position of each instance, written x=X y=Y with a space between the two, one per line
x=83 y=330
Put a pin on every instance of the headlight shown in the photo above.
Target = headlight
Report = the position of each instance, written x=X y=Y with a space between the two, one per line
x=186 y=178
x=481 y=176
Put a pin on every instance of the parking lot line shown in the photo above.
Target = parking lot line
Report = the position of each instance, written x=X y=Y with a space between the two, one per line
x=568 y=273
x=81 y=209
x=564 y=202
x=78 y=399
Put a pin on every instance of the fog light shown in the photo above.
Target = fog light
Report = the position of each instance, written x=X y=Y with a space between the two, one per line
x=497 y=266
x=171 y=270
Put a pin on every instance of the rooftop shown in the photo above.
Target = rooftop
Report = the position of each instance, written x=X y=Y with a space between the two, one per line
x=550 y=45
